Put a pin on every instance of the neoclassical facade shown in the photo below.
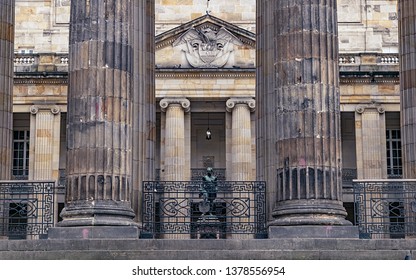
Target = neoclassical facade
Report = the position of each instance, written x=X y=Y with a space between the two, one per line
x=305 y=96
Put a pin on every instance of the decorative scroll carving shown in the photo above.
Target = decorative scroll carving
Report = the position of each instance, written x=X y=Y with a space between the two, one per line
x=185 y=103
x=251 y=103
x=34 y=109
x=206 y=47
x=361 y=108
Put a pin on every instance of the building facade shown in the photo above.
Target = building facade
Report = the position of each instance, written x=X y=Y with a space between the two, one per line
x=205 y=83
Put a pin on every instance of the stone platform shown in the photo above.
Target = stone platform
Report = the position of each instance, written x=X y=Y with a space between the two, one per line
x=266 y=249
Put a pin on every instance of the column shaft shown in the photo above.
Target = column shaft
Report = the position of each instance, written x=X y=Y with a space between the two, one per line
x=175 y=150
x=144 y=99
x=241 y=149
x=44 y=151
x=99 y=115
x=307 y=105
x=6 y=87
x=407 y=34
x=370 y=131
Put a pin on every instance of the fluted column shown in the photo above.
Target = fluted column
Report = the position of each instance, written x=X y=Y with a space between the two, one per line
x=44 y=145
x=407 y=34
x=307 y=104
x=6 y=87
x=99 y=115
x=370 y=131
x=174 y=155
x=144 y=99
x=241 y=155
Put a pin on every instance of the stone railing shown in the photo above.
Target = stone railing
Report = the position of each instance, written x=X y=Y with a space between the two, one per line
x=346 y=59
x=41 y=62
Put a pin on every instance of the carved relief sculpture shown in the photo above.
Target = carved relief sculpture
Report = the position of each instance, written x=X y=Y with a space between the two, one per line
x=206 y=47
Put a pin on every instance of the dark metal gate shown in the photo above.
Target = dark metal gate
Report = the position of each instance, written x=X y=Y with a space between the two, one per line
x=385 y=208
x=26 y=208
x=177 y=210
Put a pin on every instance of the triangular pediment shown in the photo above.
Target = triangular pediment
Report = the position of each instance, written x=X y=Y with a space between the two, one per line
x=205 y=22
x=205 y=42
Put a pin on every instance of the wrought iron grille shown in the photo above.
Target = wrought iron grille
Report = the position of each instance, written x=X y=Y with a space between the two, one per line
x=177 y=210
x=26 y=208
x=385 y=209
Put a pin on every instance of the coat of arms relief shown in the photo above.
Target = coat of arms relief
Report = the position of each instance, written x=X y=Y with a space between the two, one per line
x=207 y=46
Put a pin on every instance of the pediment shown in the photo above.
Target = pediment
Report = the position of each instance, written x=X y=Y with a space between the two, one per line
x=205 y=42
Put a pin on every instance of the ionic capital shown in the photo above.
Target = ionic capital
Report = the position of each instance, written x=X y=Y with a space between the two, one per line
x=360 y=109
x=165 y=102
x=232 y=102
x=34 y=109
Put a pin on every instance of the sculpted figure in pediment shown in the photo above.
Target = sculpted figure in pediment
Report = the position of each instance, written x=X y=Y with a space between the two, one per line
x=207 y=48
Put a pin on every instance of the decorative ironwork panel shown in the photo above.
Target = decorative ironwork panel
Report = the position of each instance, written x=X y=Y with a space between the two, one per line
x=385 y=209
x=180 y=208
x=26 y=208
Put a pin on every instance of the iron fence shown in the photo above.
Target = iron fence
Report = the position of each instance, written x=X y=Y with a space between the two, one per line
x=385 y=208
x=179 y=210
x=26 y=208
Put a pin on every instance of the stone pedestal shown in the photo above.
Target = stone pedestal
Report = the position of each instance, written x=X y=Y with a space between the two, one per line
x=6 y=87
x=307 y=143
x=99 y=115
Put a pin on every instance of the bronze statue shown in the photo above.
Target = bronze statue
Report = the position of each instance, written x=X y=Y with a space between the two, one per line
x=208 y=190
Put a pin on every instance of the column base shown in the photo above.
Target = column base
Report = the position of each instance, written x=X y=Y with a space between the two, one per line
x=277 y=232
x=94 y=232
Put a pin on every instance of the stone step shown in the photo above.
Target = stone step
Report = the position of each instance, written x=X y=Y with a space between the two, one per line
x=283 y=249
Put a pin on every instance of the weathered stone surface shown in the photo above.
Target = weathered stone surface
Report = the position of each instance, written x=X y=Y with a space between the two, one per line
x=313 y=232
x=6 y=87
x=99 y=115
x=307 y=144
x=407 y=15
x=144 y=100
x=277 y=249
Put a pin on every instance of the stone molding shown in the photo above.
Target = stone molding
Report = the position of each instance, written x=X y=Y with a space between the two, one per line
x=34 y=109
x=232 y=102
x=185 y=103
x=360 y=109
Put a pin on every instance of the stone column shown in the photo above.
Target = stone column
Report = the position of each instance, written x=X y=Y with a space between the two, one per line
x=6 y=87
x=370 y=131
x=99 y=116
x=266 y=160
x=175 y=154
x=407 y=36
x=144 y=99
x=307 y=120
x=44 y=151
x=241 y=155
